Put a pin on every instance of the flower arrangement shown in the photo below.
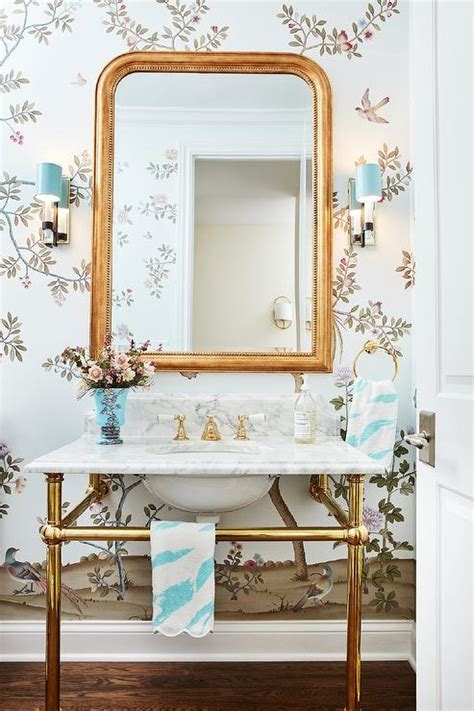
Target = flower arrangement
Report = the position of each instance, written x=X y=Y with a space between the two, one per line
x=113 y=368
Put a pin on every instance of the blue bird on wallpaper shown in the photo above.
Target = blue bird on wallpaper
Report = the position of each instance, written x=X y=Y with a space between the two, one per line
x=317 y=590
x=23 y=572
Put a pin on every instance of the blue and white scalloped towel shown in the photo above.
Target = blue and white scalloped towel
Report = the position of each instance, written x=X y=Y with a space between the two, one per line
x=182 y=559
x=372 y=425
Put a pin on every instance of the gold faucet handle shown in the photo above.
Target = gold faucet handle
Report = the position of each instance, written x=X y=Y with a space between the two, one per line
x=181 y=433
x=211 y=431
x=241 y=432
x=243 y=419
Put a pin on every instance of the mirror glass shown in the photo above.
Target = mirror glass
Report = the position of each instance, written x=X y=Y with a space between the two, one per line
x=213 y=236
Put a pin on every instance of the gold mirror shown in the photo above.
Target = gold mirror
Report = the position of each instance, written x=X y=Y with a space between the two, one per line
x=212 y=210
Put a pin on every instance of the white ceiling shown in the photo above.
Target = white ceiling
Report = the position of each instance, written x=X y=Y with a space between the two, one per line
x=246 y=191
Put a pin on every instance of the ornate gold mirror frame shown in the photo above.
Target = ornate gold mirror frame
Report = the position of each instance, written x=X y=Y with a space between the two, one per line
x=320 y=356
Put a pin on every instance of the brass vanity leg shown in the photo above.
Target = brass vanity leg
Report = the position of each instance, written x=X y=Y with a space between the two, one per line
x=53 y=597
x=354 y=595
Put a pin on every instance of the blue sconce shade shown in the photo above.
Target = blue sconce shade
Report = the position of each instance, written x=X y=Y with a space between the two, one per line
x=368 y=183
x=64 y=197
x=48 y=182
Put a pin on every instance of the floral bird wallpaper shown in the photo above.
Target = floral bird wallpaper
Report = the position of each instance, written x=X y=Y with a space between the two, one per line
x=51 y=55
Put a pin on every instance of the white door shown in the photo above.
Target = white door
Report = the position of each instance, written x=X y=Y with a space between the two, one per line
x=443 y=122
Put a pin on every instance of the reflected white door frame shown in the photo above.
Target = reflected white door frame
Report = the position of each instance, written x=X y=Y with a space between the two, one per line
x=212 y=150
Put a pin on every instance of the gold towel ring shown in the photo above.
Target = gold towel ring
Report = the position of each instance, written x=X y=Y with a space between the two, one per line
x=371 y=347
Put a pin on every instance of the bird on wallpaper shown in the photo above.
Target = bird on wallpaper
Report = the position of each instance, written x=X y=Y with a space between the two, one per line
x=79 y=80
x=368 y=111
x=22 y=572
x=318 y=589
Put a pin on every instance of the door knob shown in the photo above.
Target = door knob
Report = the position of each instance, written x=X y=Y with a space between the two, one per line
x=418 y=440
x=424 y=440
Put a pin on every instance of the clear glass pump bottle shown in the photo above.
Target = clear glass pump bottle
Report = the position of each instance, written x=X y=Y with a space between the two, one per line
x=305 y=417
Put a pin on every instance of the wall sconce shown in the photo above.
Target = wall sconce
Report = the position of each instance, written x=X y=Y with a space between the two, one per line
x=52 y=189
x=282 y=312
x=364 y=191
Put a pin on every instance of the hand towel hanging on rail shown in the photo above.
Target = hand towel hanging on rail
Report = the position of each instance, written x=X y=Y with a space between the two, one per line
x=182 y=559
x=372 y=424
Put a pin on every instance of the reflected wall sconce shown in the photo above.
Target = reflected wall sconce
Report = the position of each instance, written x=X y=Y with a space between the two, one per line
x=52 y=189
x=364 y=191
x=282 y=312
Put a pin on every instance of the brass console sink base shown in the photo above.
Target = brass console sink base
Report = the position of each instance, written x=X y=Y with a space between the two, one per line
x=59 y=530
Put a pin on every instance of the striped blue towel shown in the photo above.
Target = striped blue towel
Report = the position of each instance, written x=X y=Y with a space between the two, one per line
x=182 y=560
x=373 y=416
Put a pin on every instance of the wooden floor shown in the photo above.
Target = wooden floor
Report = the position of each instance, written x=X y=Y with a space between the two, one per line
x=205 y=686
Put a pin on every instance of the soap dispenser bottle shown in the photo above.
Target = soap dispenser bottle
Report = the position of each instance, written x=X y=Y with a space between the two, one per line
x=305 y=417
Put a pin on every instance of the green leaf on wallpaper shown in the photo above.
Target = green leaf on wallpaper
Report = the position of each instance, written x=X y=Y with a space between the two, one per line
x=338 y=402
x=406 y=488
x=395 y=515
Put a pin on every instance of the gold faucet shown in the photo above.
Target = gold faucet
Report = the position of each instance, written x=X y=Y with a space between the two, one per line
x=211 y=431
x=241 y=431
x=181 y=433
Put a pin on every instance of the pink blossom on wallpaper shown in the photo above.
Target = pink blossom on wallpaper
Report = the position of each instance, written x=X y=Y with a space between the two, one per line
x=17 y=137
x=160 y=199
x=20 y=484
x=344 y=375
x=343 y=40
x=171 y=154
x=373 y=520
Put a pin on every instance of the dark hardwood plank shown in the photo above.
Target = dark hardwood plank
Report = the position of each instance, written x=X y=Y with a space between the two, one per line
x=206 y=686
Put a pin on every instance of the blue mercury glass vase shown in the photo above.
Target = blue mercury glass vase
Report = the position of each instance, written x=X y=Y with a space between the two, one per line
x=110 y=413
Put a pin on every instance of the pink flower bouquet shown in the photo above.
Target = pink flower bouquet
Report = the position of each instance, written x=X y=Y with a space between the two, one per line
x=113 y=368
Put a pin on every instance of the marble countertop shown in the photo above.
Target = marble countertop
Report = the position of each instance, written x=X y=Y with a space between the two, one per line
x=278 y=457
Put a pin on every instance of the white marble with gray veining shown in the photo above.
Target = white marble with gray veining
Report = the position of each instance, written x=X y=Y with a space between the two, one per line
x=143 y=409
x=280 y=457
x=145 y=448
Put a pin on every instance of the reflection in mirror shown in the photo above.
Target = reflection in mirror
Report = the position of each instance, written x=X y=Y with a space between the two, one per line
x=213 y=212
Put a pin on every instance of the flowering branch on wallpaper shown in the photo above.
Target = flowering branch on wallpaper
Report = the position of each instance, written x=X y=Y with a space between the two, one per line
x=33 y=257
x=163 y=171
x=400 y=479
x=112 y=552
x=160 y=207
x=363 y=319
x=54 y=15
x=370 y=318
x=9 y=469
x=309 y=33
x=11 y=342
x=407 y=269
x=158 y=271
x=184 y=19
x=227 y=577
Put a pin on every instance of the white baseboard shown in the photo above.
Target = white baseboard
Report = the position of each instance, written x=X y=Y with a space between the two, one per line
x=412 y=656
x=231 y=641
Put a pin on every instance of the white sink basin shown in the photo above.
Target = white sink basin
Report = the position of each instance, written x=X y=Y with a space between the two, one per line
x=203 y=496
x=210 y=449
